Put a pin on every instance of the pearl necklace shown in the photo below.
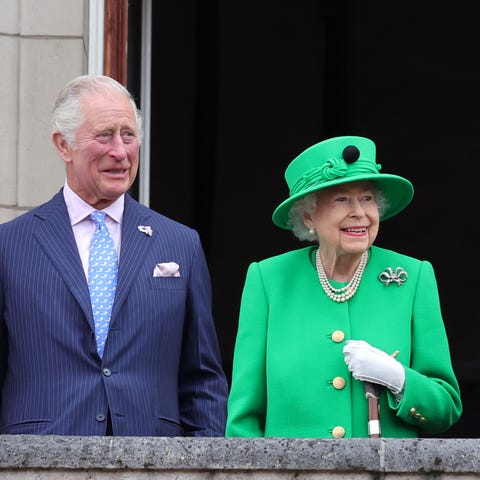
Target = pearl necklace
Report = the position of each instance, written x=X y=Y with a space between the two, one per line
x=345 y=293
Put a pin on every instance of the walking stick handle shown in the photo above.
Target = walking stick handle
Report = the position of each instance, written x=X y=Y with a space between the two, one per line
x=372 y=393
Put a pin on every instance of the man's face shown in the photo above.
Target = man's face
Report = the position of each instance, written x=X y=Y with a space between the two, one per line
x=104 y=163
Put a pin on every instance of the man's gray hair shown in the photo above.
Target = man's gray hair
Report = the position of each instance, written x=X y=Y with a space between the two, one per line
x=67 y=116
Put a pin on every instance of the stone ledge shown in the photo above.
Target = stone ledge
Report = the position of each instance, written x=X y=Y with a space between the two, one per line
x=26 y=452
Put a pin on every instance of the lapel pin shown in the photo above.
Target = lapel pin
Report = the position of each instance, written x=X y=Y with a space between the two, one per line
x=146 y=229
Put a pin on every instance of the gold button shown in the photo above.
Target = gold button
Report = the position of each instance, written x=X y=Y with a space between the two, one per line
x=338 y=432
x=412 y=412
x=338 y=336
x=338 y=383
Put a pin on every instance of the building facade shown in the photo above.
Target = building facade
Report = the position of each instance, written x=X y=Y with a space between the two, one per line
x=42 y=46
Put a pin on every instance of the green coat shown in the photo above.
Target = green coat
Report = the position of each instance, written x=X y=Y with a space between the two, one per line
x=289 y=345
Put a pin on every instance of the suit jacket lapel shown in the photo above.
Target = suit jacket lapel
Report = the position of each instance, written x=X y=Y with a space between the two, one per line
x=135 y=245
x=54 y=232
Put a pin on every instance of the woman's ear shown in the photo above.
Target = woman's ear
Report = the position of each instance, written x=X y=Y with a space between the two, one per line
x=307 y=220
x=64 y=150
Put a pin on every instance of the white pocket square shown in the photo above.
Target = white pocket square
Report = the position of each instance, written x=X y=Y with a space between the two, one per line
x=167 y=269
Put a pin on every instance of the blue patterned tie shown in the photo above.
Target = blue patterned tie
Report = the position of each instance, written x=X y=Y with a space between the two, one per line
x=102 y=278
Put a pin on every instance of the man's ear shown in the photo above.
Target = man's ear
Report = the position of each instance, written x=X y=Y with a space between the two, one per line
x=64 y=150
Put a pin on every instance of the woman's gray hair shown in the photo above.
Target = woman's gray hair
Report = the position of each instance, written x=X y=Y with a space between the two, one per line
x=67 y=115
x=308 y=204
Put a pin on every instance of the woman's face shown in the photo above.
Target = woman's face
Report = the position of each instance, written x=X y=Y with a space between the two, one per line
x=346 y=218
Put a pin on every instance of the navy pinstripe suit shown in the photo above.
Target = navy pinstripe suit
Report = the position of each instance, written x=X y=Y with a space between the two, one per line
x=161 y=372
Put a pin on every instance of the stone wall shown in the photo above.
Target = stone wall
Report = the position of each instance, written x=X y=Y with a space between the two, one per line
x=29 y=457
x=42 y=46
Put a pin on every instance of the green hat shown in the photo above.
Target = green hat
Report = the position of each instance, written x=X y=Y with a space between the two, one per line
x=341 y=160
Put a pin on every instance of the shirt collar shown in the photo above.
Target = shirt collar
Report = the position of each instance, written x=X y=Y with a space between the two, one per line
x=78 y=209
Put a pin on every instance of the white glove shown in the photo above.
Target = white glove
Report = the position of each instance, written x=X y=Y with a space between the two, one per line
x=370 y=364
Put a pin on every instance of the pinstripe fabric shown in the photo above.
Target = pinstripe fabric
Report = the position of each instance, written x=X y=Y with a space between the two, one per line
x=161 y=371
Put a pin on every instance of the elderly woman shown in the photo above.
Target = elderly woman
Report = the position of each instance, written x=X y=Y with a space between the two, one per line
x=319 y=324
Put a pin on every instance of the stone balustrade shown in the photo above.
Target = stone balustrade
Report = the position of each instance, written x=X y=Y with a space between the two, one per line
x=30 y=457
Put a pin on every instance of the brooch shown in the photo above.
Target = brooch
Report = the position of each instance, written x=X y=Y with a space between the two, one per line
x=399 y=275
x=146 y=229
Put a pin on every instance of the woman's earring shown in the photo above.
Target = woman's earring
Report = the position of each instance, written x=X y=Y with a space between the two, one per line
x=311 y=231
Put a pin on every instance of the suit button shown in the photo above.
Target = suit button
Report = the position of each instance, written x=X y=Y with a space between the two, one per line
x=338 y=432
x=338 y=336
x=412 y=411
x=100 y=417
x=339 y=383
x=107 y=372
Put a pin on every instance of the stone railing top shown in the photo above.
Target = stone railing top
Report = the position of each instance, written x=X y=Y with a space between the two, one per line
x=162 y=453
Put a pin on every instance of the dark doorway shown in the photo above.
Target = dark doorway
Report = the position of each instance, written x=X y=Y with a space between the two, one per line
x=240 y=88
